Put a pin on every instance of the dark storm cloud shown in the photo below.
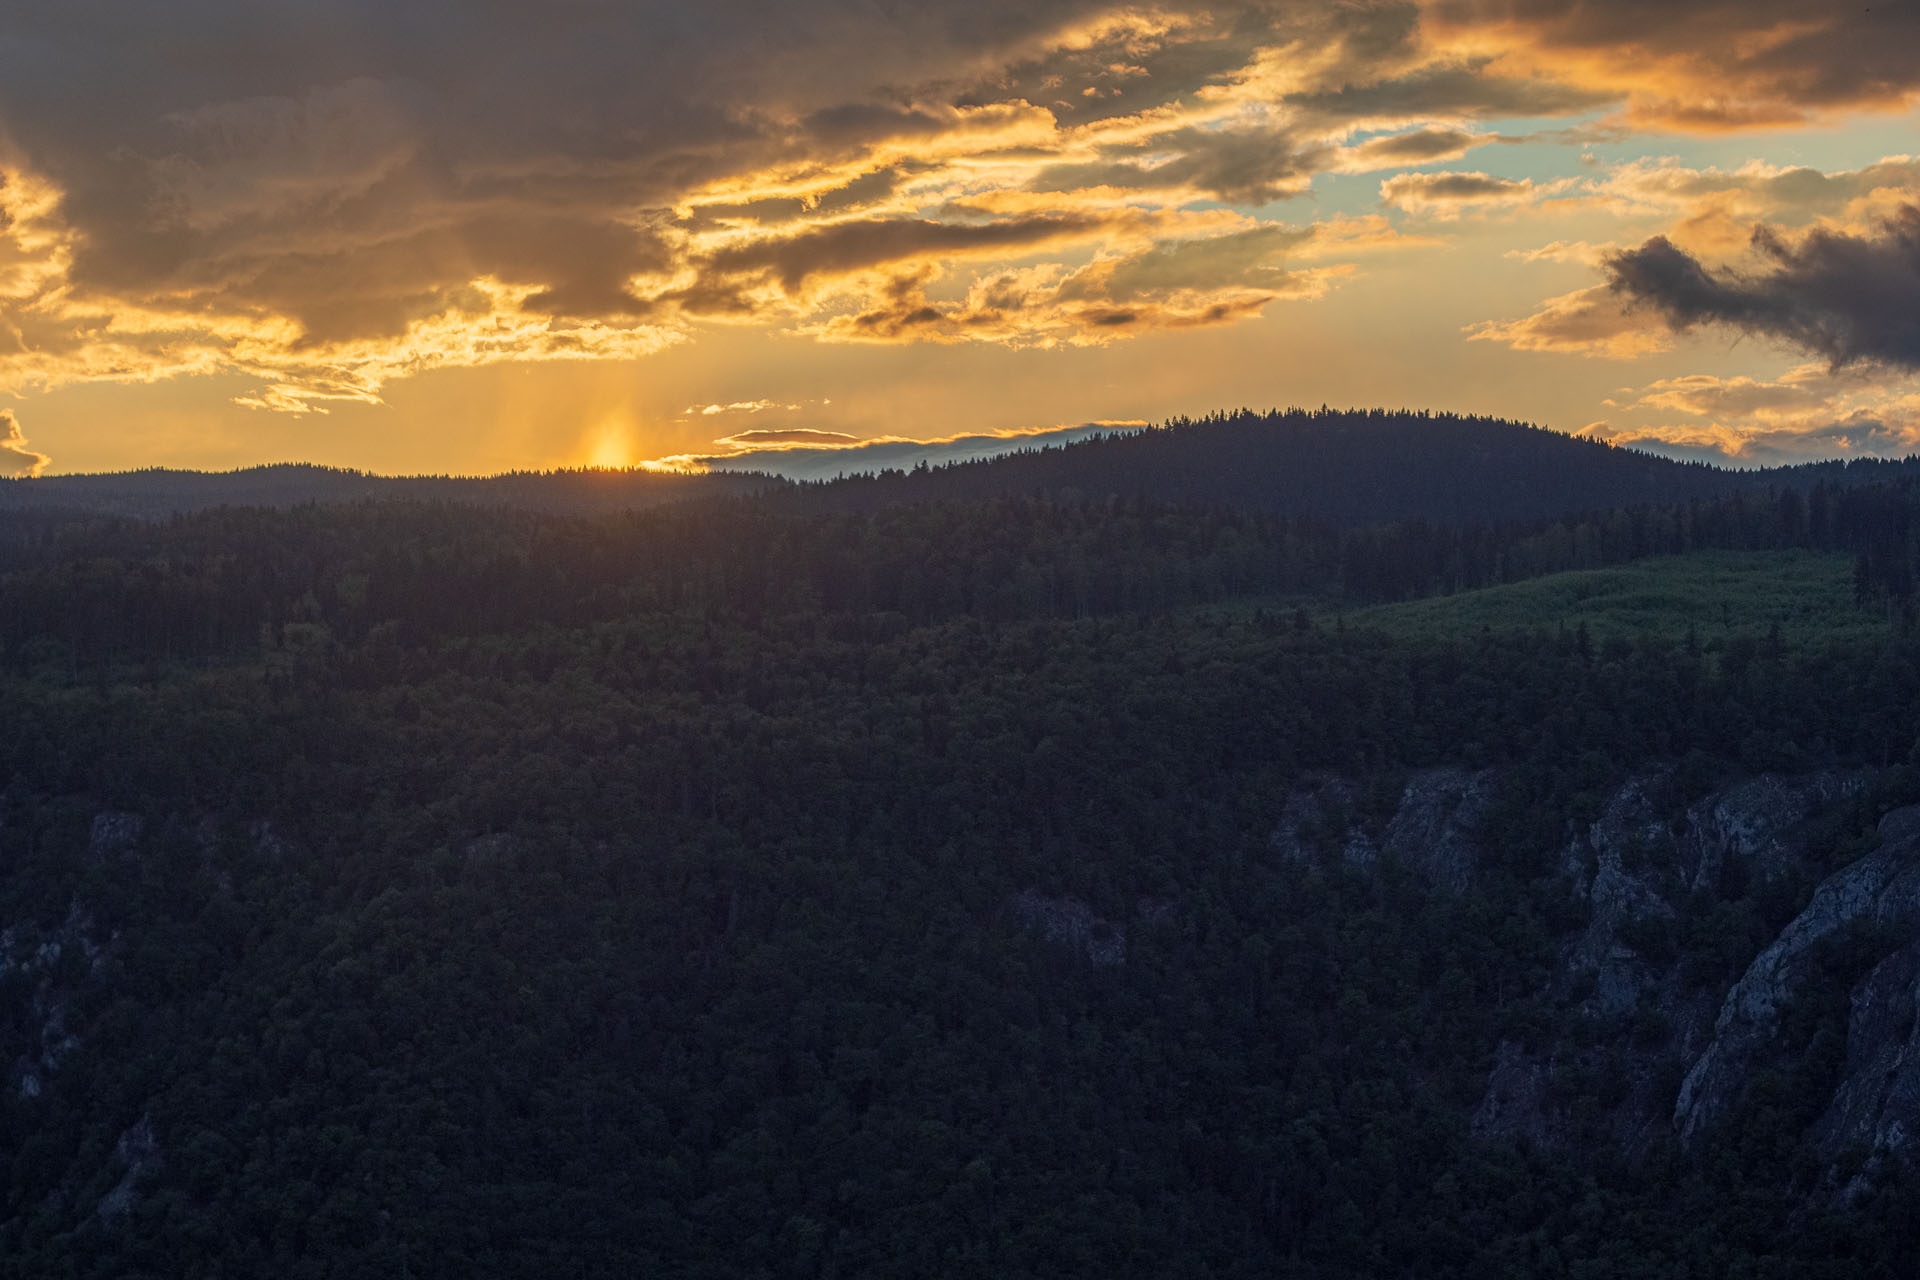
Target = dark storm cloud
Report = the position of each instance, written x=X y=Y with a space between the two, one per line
x=1462 y=186
x=862 y=192
x=1460 y=90
x=1727 y=63
x=1240 y=259
x=331 y=193
x=860 y=123
x=1842 y=296
x=1419 y=147
x=844 y=247
x=1121 y=72
x=197 y=142
x=1166 y=285
x=1235 y=166
x=1449 y=195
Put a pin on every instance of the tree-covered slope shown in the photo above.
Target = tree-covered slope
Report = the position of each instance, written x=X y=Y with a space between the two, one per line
x=1349 y=467
x=1709 y=596
x=1015 y=888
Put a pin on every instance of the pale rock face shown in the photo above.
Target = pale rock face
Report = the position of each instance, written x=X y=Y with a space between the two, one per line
x=1629 y=830
x=1071 y=923
x=1646 y=859
x=1319 y=815
x=266 y=840
x=1752 y=822
x=1435 y=829
x=1438 y=828
x=1874 y=1110
x=137 y=1153
x=114 y=832
x=1882 y=888
x=1516 y=1099
x=36 y=959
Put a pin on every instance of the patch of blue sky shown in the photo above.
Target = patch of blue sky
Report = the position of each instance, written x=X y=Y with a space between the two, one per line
x=1852 y=144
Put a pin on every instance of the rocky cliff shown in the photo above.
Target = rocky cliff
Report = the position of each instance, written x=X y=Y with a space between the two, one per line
x=1710 y=938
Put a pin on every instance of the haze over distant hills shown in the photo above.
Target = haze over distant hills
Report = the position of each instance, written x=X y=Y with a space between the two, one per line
x=162 y=492
x=1350 y=467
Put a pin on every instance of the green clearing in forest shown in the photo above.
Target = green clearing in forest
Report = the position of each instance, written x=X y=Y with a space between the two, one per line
x=1719 y=594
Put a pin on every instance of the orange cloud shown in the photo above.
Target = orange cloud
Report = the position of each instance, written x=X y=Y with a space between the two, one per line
x=1808 y=412
x=1703 y=395
x=821 y=455
x=794 y=437
x=1859 y=434
x=325 y=207
x=738 y=406
x=842 y=248
x=15 y=458
x=1449 y=195
x=1169 y=284
x=1696 y=65
x=1430 y=145
x=1756 y=190
x=1587 y=322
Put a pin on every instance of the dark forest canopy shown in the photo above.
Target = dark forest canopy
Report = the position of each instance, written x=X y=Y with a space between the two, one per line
x=1017 y=869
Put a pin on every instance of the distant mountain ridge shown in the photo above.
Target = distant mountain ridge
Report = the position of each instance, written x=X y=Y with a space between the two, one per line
x=1348 y=467
x=163 y=492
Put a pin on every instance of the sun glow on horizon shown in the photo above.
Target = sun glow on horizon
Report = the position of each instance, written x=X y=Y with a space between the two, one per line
x=609 y=444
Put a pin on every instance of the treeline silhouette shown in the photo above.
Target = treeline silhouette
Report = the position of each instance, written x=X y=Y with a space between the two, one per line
x=1346 y=467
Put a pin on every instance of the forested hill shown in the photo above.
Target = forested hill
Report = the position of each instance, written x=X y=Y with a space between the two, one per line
x=1351 y=467
x=163 y=492
x=1348 y=467
x=1024 y=887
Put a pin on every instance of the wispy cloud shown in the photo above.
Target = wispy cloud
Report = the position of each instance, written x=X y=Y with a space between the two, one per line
x=824 y=455
x=1811 y=411
x=786 y=436
x=15 y=458
x=1450 y=195
x=738 y=406
x=1587 y=322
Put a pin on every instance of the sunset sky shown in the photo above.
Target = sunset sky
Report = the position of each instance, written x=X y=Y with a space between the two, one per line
x=471 y=237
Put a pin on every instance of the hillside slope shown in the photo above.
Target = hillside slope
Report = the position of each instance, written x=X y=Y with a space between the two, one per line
x=1712 y=596
x=1349 y=467
x=1346 y=467
x=413 y=889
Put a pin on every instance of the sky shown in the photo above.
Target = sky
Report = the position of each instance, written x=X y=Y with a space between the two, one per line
x=488 y=235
